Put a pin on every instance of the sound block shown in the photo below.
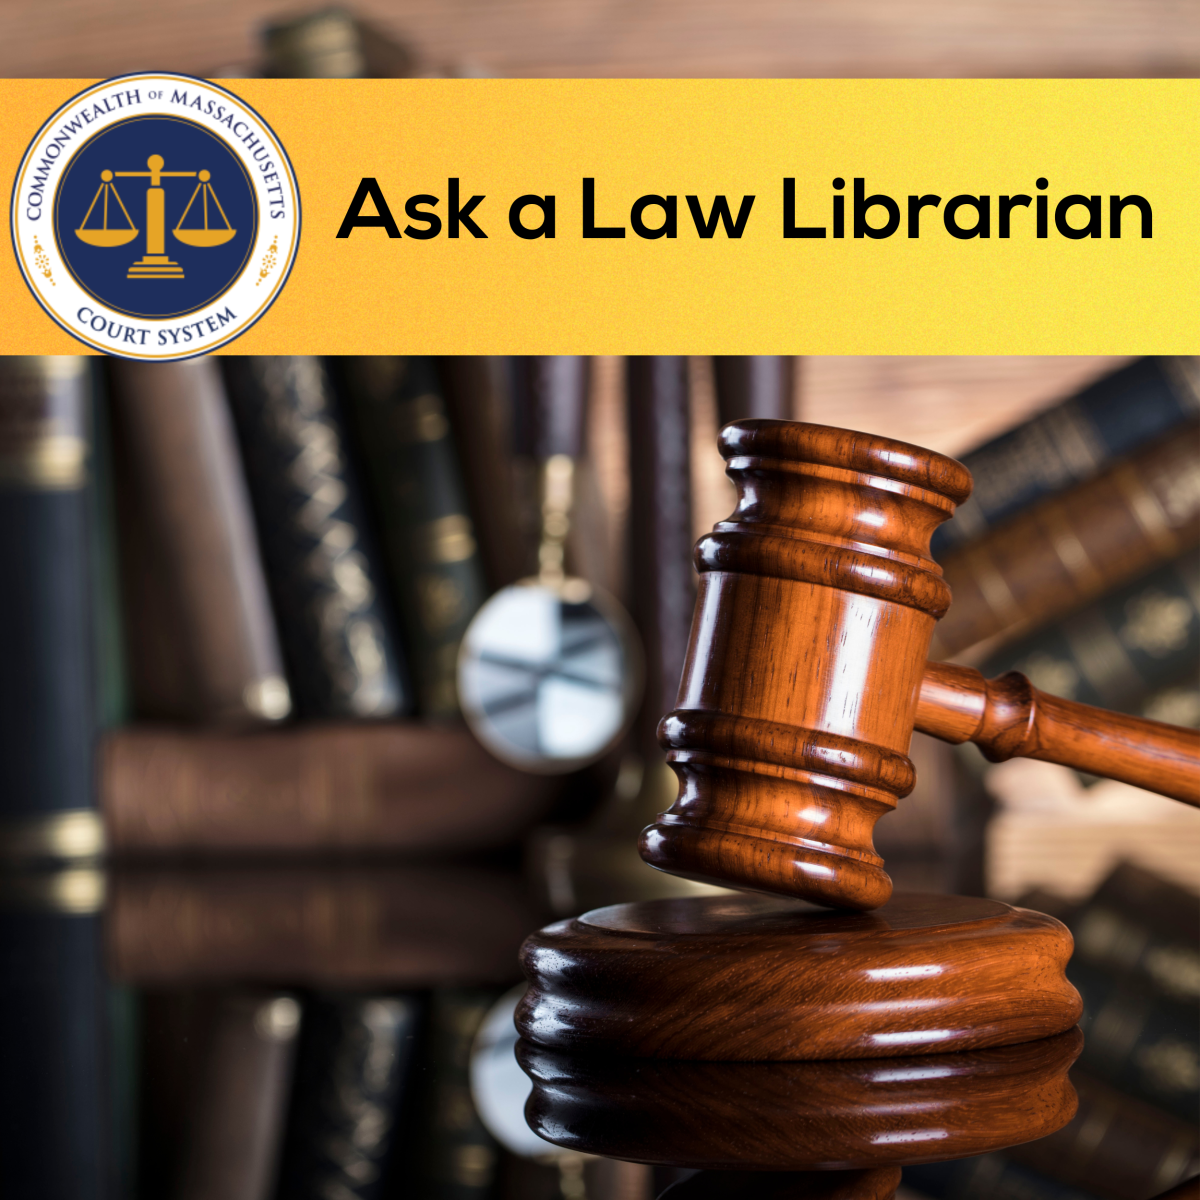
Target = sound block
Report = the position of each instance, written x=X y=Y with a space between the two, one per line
x=748 y=978
x=849 y=1114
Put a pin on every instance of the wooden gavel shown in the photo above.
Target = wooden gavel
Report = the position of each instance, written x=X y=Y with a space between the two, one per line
x=807 y=673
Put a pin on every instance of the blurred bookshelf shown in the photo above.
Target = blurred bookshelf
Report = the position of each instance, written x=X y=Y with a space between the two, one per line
x=544 y=38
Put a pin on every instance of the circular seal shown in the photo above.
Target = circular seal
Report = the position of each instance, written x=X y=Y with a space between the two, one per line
x=155 y=216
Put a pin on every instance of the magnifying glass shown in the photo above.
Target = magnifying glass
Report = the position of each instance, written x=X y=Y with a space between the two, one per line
x=550 y=669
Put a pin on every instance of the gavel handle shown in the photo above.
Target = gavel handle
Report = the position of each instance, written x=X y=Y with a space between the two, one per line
x=1009 y=718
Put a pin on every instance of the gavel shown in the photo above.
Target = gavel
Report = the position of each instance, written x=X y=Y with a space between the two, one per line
x=807 y=673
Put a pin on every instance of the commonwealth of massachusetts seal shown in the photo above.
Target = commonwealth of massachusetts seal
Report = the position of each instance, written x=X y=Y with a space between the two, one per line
x=155 y=216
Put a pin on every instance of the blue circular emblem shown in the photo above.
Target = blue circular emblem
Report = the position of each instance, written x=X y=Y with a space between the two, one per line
x=155 y=217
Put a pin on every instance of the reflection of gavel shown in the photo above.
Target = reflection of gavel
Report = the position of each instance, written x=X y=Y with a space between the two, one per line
x=806 y=673
x=802 y=1116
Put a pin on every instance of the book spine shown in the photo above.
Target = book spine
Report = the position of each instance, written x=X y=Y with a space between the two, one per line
x=55 y=1142
x=1176 y=705
x=1073 y=441
x=47 y=696
x=663 y=579
x=1144 y=1044
x=1140 y=926
x=332 y=44
x=754 y=385
x=1072 y=548
x=352 y=1070
x=322 y=567
x=456 y=1158
x=200 y=546
x=111 y=678
x=320 y=787
x=399 y=413
x=479 y=402
x=237 y=1125
x=1118 y=652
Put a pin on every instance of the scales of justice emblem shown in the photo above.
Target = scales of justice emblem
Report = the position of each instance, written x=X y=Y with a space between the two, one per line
x=155 y=263
x=155 y=216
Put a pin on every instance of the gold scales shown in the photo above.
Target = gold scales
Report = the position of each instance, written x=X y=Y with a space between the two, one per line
x=155 y=263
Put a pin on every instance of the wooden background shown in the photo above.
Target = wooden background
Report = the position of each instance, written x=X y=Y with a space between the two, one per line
x=63 y=38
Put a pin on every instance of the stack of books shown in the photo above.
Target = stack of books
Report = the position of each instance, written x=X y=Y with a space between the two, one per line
x=1075 y=562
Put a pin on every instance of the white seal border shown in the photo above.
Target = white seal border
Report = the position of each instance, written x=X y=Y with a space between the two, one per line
x=287 y=257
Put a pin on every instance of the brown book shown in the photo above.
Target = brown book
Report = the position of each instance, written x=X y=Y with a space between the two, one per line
x=479 y=400
x=237 y=1125
x=317 y=925
x=755 y=385
x=202 y=636
x=332 y=44
x=1073 y=547
x=320 y=787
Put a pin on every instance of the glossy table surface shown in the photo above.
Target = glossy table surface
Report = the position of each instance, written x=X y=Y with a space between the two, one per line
x=169 y=937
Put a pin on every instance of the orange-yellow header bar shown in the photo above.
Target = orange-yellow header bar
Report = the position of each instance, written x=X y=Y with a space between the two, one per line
x=997 y=217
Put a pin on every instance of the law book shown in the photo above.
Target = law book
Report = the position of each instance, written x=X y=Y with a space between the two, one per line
x=47 y=692
x=479 y=402
x=452 y=1155
x=1071 y=442
x=323 y=568
x=1115 y=1146
x=663 y=577
x=204 y=644
x=754 y=385
x=336 y=788
x=1120 y=651
x=55 y=1139
x=1071 y=548
x=352 y=1080
x=332 y=43
x=236 y=1129
x=397 y=409
x=1177 y=705
x=1143 y=1042
x=367 y=925
x=1138 y=925
x=111 y=678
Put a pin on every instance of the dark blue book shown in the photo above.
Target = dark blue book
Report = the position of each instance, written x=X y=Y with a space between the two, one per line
x=1072 y=441
x=47 y=696
x=55 y=1143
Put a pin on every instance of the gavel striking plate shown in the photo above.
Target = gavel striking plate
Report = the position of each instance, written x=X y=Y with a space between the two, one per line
x=805 y=677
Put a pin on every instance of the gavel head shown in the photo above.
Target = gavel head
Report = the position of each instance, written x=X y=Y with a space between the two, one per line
x=815 y=612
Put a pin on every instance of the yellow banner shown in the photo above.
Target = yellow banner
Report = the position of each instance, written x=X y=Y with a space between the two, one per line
x=976 y=216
